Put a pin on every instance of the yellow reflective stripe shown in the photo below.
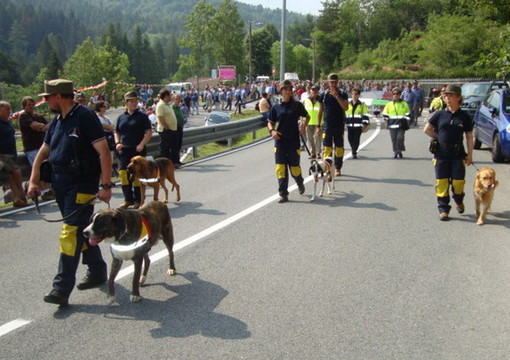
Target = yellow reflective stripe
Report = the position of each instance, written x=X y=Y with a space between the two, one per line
x=84 y=198
x=136 y=182
x=123 y=177
x=327 y=151
x=298 y=151
x=339 y=152
x=295 y=171
x=442 y=187
x=68 y=239
x=280 y=171
x=458 y=186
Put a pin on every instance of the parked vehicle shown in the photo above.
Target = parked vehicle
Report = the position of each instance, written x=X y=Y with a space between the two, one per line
x=217 y=117
x=179 y=86
x=492 y=125
x=291 y=76
x=474 y=93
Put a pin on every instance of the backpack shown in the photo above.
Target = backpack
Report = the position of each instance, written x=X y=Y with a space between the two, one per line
x=257 y=107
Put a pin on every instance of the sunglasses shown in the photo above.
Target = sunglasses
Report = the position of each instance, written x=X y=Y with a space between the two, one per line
x=395 y=93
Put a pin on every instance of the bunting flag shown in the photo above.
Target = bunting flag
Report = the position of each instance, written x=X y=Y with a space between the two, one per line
x=42 y=101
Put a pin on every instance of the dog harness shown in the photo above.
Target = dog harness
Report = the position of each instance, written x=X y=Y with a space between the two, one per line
x=146 y=229
x=152 y=180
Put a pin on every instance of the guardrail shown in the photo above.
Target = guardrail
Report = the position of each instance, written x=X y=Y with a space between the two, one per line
x=193 y=137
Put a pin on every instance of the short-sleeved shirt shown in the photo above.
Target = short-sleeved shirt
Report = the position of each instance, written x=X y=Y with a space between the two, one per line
x=178 y=115
x=163 y=110
x=132 y=128
x=74 y=135
x=334 y=115
x=287 y=116
x=32 y=139
x=451 y=127
x=7 y=138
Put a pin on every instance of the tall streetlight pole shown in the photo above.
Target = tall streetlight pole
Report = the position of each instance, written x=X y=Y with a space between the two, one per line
x=313 y=59
x=282 y=48
x=250 y=77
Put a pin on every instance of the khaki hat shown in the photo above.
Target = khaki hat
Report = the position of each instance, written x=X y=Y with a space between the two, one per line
x=130 y=95
x=333 y=77
x=57 y=86
x=80 y=97
x=397 y=89
x=453 y=89
x=285 y=83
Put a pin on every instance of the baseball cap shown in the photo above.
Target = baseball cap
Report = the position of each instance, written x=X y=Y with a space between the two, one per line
x=130 y=95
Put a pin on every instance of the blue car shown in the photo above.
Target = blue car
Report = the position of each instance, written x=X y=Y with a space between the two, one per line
x=492 y=125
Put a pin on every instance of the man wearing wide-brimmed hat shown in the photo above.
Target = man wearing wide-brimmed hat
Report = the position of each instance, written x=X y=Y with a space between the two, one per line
x=447 y=127
x=334 y=102
x=78 y=153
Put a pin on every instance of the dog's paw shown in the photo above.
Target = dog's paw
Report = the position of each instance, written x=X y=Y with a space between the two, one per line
x=110 y=300
x=171 y=272
x=135 y=298
x=330 y=192
x=312 y=199
x=480 y=222
x=142 y=279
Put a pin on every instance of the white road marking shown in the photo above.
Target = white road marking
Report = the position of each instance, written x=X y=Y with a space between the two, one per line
x=13 y=325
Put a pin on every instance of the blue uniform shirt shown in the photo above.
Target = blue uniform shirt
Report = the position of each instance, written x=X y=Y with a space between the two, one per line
x=287 y=115
x=334 y=115
x=451 y=127
x=132 y=128
x=7 y=138
x=76 y=133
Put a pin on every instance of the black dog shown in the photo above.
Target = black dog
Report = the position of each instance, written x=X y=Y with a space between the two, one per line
x=132 y=233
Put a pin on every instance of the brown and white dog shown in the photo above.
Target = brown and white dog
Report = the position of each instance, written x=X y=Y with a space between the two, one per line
x=153 y=174
x=131 y=234
x=485 y=183
x=322 y=169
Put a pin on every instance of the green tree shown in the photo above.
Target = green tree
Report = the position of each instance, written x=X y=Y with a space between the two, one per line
x=262 y=41
x=227 y=35
x=197 y=42
x=9 y=70
x=290 y=60
x=90 y=64
x=302 y=61
x=453 y=44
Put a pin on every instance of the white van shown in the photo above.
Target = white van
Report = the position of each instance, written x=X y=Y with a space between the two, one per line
x=177 y=87
x=291 y=76
x=261 y=79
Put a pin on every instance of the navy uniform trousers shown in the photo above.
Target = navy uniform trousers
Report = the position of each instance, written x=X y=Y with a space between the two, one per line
x=449 y=170
x=334 y=135
x=71 y=192
x=287 y=156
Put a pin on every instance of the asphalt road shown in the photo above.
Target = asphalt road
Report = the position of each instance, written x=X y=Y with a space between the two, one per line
x=368 y=272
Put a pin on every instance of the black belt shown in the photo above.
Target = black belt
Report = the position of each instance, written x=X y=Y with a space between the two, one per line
x=448 y=146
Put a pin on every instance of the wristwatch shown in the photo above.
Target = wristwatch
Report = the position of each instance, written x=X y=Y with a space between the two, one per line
x=105 y=186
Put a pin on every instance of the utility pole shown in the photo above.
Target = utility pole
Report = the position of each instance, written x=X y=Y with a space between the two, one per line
x=250 y=77
x=282 y=48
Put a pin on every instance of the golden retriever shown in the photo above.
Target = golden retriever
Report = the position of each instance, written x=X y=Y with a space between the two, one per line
x=485 y=183
x=153 y=174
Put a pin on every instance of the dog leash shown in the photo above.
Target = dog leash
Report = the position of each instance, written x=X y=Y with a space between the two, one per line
x=304 y=143
x=82 y=206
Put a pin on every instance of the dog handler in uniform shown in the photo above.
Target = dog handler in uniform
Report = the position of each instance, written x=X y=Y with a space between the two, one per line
x=356 y=120
x=132 y=132
x=334 y=102
x=286 y=116
x=77 y=150
x=446 y=128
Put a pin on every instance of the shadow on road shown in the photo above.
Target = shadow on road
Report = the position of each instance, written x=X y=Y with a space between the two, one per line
x=190 y=310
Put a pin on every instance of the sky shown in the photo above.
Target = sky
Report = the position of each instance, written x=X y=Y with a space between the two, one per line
x=300 y=6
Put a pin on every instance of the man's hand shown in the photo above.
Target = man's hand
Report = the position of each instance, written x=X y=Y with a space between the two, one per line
x=105 y=195
x=33 y=189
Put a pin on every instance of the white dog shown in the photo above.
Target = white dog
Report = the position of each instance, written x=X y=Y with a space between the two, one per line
x=322 y=169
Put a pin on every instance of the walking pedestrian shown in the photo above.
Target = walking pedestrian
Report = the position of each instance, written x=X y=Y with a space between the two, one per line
x=396 y=115
x=357 y=119
x=285 y=127
x=446 y=128
x=81 y=168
